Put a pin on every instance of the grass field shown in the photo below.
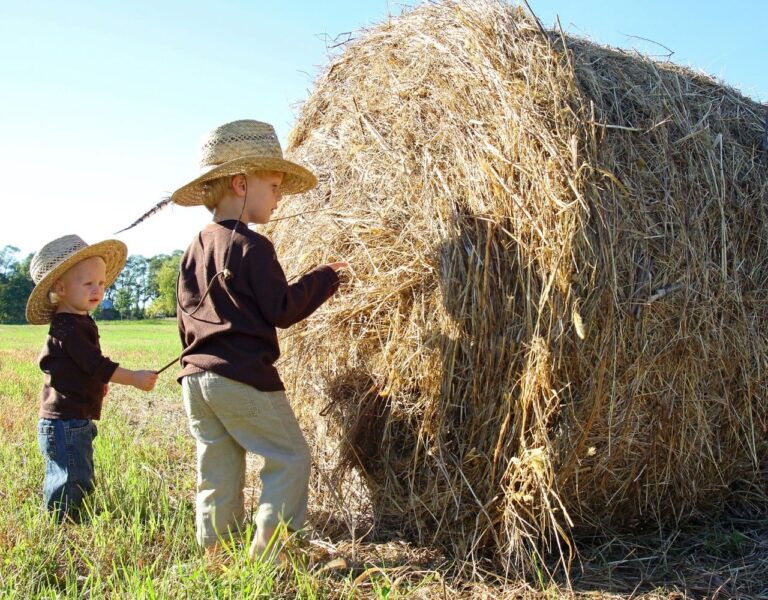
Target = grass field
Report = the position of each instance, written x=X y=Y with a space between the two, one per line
x=139 y=541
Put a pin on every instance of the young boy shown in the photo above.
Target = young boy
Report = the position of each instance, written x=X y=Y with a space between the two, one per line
x=70 y=278
x=232 y=295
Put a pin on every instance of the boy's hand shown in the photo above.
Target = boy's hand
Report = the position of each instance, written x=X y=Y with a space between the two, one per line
x=145 y=380
x=106 y=388
x=338 y=265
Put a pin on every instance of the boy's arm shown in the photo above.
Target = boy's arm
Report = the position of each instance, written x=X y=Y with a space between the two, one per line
x=283 y=304
x=144 y=380
x=87 y=355
x=84 y=352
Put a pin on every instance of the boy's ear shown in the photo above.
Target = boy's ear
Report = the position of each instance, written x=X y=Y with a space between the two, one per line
x=238 y=183
x=57 y=291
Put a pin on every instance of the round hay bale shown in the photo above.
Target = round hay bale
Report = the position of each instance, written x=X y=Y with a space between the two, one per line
x=556 y=311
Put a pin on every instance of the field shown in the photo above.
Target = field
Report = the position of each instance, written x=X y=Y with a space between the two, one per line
x=138 y=542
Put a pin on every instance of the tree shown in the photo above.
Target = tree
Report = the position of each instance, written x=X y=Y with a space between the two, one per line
x=8 y=260
x=165 y=277
x=15 y=286
x=123 y=301
x=132 y=288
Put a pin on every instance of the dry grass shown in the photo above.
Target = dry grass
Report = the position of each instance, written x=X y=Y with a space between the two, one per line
x=555 y=322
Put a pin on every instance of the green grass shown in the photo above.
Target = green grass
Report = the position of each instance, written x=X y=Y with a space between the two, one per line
x=139 y=540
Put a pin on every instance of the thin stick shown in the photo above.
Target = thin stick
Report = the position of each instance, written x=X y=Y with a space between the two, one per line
x=306 y=212
x=174 y=361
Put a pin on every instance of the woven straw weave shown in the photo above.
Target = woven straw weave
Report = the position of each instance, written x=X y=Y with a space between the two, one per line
x=238 y=147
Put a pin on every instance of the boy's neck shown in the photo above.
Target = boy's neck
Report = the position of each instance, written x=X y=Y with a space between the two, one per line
x=229 y=208
x=63 y=307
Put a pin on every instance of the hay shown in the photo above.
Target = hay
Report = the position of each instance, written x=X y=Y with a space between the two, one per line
x=556 y=313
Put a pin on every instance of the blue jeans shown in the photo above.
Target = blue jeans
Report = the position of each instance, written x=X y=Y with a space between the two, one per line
x=67 y=446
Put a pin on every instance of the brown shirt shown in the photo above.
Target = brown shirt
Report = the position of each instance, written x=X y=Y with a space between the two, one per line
x=75 y=369
x=233 y=333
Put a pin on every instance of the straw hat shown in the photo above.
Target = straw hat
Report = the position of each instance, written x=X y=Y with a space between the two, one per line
x=55 y=258
x=243 y=146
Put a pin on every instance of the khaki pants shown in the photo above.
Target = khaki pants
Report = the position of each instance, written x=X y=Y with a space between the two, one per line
x=227 y=419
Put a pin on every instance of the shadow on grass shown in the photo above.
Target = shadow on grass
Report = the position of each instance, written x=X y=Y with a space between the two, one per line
x=727 y=558
x=722 y=558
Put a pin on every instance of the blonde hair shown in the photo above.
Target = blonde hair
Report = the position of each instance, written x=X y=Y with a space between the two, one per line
x=216 y=189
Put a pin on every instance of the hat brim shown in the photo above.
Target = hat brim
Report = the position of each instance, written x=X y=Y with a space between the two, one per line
x=296 y=178
x=114 y=253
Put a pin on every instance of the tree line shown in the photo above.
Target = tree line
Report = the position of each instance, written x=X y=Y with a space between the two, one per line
x=146 y=287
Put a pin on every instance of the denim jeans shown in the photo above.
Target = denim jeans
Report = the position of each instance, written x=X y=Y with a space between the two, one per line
x=67 y=446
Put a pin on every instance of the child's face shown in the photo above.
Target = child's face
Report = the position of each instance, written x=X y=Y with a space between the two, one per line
x=81 y=289
x=263 y=195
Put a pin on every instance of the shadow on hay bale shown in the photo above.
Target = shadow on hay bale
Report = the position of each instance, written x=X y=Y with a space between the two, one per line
x=556 y=312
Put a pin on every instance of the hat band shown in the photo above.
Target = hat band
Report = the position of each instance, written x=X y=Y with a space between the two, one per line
x=205 y=169
x=241 y=137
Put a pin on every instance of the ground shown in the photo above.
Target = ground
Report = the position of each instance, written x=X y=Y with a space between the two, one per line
x=139 y=540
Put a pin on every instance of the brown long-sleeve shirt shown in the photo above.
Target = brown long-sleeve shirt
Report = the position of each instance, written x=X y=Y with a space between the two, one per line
x=75 y=369
x=233 y=333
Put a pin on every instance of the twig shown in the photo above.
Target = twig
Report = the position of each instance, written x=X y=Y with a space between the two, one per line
x=637 y=37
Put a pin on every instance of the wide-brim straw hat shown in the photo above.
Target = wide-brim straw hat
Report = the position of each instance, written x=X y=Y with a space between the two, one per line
x=55 y=258
x=242 y=147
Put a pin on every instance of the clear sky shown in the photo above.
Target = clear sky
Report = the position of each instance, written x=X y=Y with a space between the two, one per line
x=103 y=103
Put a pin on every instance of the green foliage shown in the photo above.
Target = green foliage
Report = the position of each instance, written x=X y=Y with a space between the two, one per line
x=15 y=285
x=132 y=288
x=124 y=302
x=8 y=259
x=164 y=277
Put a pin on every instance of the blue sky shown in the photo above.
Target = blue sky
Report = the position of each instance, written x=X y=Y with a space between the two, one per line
x=104 y=103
